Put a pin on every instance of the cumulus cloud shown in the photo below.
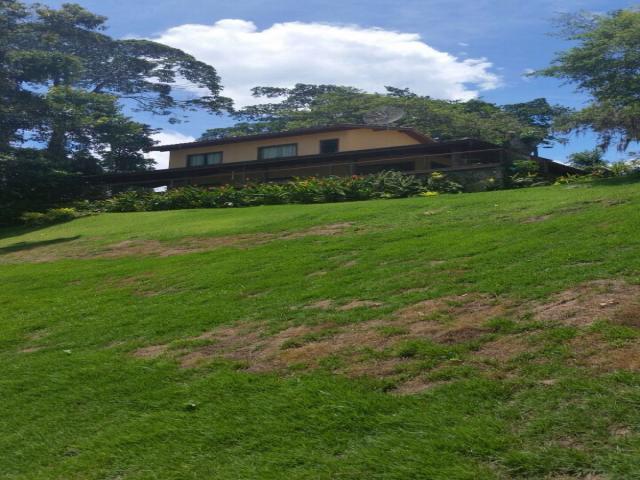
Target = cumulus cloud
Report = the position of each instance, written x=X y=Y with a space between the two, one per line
x=295 y=52
x=167 y=138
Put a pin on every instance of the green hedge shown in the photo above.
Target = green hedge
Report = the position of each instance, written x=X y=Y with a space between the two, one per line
x=311 y=190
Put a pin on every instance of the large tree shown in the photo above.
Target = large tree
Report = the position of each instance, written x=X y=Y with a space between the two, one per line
x=66 y=82
x=315 y=105
x=64 y=87
x=605 y=64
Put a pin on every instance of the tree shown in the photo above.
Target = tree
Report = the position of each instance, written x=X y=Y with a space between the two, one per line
x=64 y=85
x=97 y=136
x=605 y=64
x=54 y=55
x=589 y=160
x=316 y=105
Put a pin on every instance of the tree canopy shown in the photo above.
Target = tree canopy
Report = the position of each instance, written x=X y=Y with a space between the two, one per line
x=604 y=63
x=307 y=105
x=64 y=83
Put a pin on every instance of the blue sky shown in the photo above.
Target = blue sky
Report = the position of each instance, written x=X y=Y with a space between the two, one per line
x=490 y=44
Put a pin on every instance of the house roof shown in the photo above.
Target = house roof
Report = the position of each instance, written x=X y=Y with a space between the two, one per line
x=290 y=133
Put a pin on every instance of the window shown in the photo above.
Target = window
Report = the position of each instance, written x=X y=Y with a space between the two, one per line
x=329 y=146
x=277 y=151
x=203 y=159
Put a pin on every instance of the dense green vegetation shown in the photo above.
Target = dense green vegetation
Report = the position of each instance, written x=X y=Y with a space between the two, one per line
x=112 y=330
x=603 y=62
x=523 y=126
x=65 y=90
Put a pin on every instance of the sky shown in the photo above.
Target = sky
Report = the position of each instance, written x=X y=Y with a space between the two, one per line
x=453 y=49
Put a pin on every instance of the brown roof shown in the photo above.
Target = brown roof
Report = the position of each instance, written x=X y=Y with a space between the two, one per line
x=289 y=133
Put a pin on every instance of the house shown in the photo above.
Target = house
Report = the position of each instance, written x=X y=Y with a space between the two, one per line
x=338 y=150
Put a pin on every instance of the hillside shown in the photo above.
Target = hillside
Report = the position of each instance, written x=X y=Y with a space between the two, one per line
x=476 y=336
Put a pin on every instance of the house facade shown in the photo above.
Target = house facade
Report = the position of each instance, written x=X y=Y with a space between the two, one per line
x=339 y=150
x=294 y=143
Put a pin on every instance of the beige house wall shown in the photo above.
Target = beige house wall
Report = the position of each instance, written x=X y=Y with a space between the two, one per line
x=356 y=139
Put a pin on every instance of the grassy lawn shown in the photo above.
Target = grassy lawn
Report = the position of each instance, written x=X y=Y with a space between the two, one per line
x=475 y=336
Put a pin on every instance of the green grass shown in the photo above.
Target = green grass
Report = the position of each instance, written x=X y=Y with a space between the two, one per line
x=76 y=404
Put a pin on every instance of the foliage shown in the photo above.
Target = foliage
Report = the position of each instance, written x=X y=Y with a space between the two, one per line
x=622 y=168
x=63 y=81
x=605 y=63
x=525 y=173
x=388 y=184
x=439 y=183
x=51 y=216
x=524 y=125
x=29 y=182
x=63 y=84
x=588 y=160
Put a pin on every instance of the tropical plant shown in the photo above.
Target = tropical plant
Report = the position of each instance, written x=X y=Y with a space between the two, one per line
x=388 y=184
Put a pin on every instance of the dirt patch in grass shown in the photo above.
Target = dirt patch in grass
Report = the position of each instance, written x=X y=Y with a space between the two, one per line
x=595 y=352
x=152 y=351
x=589 y=302
x=319 y=273
x=320 y=305
x=457 y=324
x=363 y=349
x=37 y=334
x=360 y=304
x=451 y=319
x=321 y=230
x=78 y=249
x=536 y=219
x=503 y=349
x=30 y=349
x=328 y=304
x=628 y=314
x=415 y=386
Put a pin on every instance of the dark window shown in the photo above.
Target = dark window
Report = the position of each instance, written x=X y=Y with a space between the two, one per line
x=203 y=159
x=329 y=146
x=278 y=151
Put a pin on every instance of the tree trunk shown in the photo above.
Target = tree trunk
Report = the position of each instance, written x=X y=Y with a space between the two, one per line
x=56 y=148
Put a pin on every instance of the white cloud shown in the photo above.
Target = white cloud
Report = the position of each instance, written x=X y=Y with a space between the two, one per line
x=167 y=138
x=293 y=52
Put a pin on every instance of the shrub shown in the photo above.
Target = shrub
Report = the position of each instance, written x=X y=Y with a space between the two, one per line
x=525 y=173
x=31 y=183
x=570 y=178
x=131 y=201
x=438 y=182
x=393 y=184
x=388 y=184
x=56 y=215
x=53 y=215
x=33 y=218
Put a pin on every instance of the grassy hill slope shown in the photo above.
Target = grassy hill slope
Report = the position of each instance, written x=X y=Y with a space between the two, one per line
x=489 y=335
